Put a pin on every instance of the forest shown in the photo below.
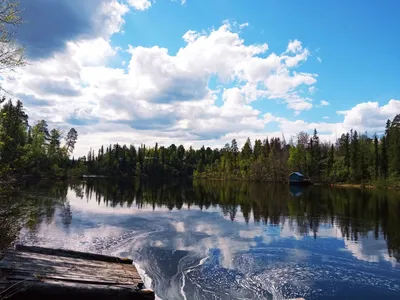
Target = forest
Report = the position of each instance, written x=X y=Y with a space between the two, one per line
x=38 y=151
x=34 y=150
x=361 y=211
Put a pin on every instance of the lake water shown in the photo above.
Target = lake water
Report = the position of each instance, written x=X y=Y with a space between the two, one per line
x=223 y=240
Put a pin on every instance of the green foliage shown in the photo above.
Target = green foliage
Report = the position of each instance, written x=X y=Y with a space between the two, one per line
x=71 y=139
x=29 y=150
x=354 y=158
x=36 y=150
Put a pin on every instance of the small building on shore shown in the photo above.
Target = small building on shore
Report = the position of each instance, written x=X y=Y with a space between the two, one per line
x=296 y=178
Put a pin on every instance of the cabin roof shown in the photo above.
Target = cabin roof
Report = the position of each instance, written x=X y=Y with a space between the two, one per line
x=297 y=173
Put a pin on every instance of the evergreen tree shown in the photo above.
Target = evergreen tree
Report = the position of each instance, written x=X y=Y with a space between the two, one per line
x=331 y=160
x=235 y=152
x=347 y=152
x=384 y=158
x=71 y=139
x=247 y=150
x=355 y=156
x=376 y=157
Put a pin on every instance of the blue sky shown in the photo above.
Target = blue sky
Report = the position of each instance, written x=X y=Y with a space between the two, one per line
x=356 y=40
x=204 y=72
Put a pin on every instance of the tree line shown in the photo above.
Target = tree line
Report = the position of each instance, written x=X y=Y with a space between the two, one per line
x=38 y=151
x=354 y=157
x=32 y=150
x=359 y=158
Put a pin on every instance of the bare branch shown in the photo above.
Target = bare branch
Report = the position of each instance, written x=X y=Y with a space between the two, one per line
x=11 y=54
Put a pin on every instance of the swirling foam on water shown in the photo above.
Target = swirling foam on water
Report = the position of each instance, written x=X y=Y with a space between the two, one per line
x=203 y=256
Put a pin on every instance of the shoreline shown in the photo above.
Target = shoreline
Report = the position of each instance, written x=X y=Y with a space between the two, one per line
x=12 y=185
x=362 y=186
x=325 y=184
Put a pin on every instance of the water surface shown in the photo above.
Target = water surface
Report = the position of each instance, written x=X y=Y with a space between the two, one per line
x=223 y=240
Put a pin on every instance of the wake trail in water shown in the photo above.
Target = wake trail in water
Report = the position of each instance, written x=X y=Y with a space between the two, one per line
x=193 y=262
x=202 y=261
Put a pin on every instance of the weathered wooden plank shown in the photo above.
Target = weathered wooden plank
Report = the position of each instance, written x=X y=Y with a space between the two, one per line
x=120 y=277
x=41 y=275
x=63 y=279
x=54 y=260
x=70 y=267
x=72 y=254
x=36 y=274
x=52 y=290
x=44 y=260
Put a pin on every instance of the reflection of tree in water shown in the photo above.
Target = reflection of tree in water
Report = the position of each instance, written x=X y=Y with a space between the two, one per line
x=354 y=211
x=9 y=222
x=35 y=204
x=66 y=214
x=78 y=189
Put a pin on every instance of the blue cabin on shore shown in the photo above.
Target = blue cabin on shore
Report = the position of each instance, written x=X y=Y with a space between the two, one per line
x=296 y=178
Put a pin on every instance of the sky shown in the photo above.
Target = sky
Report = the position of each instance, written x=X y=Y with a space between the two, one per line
x=204 y=72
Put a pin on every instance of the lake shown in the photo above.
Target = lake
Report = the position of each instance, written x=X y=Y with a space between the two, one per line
x=222 y=240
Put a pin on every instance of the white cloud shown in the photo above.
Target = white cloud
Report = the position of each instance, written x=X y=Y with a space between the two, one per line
x=179 y=226
x=268 y=117
x=370 y=116
x=156 y=96
x=369 y=249
x=326 y=118
x=140 y=4
x=243 y=25
x=161 y=91
x=312 y=89
x=323 y=103
x=294 y=46
x=114 y=12
x=319 y=59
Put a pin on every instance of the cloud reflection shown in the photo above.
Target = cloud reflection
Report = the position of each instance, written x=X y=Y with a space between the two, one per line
x=186 y=251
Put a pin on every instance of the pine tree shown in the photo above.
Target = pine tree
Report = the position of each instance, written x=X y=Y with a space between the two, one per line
x=376 y=156
x=331 y=159
x=347 y=152
x=247 y=150
x=257 y=149
x=384 y=158
x=266 y=148
x=235 y=152
x=71 y=140
x=355 y=156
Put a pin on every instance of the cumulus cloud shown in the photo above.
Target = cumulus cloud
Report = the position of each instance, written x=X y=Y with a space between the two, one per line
x=323 y=103
x=52 y=23
x=369 y=249
x=364 y=117
x=140 y=4
x=164 y=91
x=312 y=89
x=294 y=46
x=156 y=96
x=370 y=115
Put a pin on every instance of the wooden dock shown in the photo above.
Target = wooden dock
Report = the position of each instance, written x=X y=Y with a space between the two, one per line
x=42 y=273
